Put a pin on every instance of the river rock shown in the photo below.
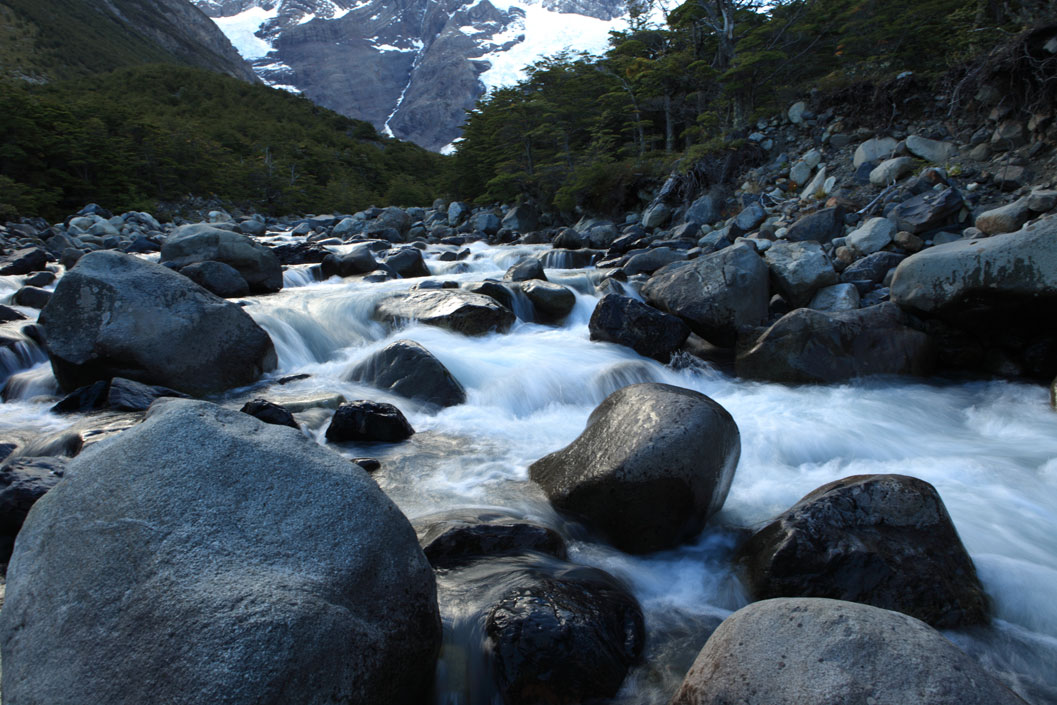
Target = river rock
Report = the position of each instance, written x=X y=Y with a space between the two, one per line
x=891 y=170
x=807 y=346
x=23 y=480
x=1005 y=219
x=368 y=421
x=453 y=538
x=358 y=260
x=928 y=211
x=821 y=226
x=872 y=268
x=874 y=150
x=217 y=277
x=565 y=639
x=793 y=651
x=528 y=268
x=839 y=297
x=452 y=309
x=568 y=239
x=750 y=217
x=871 y=236
x=410 y=370
x=799 y=269
x=118 y=315
x=716 y=295
x=522 y=218
x=883 y=540
x=644 y=329
x=31 y=297
x=654 y=463
x=117 y=394
x=408 y=263
x=269 y=412
x=200 y=242
x=656 y=216
x=651 y=260
x=552 y=302
x=206 y=557
x=933 y=151
x=24 y=261
x=706 y=210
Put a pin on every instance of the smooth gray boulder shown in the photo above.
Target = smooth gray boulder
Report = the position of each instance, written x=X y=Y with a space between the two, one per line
x=874 y=150
x=799 y=269
x=200 y=242
x=1013 y=266
x=115 y=315
x=882 y=540
x=452 y=309
x=1005 y=219
x=410 y=370
x=839 y=297
x=934 y=151
x=716 y=295
x=891 y=170
x=206 y=557
x=792 y=651
x=873 y=235
x=654 y=463
x=808 y=346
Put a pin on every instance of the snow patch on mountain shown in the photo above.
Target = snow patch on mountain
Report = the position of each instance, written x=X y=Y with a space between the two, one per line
x=241 y=28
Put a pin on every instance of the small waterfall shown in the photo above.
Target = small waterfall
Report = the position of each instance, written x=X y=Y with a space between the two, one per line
x=521 y=304
x=17 y=354
x=299 y=275
x=37 y=381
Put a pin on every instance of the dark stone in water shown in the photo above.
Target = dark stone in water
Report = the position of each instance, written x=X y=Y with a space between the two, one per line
x=9 y=314
x=454 y=538
x=40 y=279
x=644 y=329
x=24 y=261
x=118 y=394
x=32 y=297
x=368 y=464
x=564 y=639
x=409 y=370
x=23 y=480
x=268 y=412
x=368 y=421
x=300 y=253
x=526 y=269
x=882 y=540
x=217 y=277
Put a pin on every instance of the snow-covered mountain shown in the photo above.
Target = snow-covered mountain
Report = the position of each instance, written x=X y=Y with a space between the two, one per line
x=410 y=67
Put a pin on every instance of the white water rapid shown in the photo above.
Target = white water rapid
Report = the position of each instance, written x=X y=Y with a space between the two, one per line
x=990 y=449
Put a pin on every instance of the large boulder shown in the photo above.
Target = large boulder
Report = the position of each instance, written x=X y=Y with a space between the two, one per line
x=928 y=211
x=358 y=260
x=409 y=370
x=452 y=309
x=24 y=261
x=716 y=295
x=202 y=242
x=565 y=639
x=826 y=652
x=115 y=315
x=883 y=540
x=644 y=329
x=522 y=218
x=551 y=302
x=821 y=226
x=799 y=269
x=654 y=463
x=408 y=263
x=206 y=557
x=808 y=346
x=370 y=421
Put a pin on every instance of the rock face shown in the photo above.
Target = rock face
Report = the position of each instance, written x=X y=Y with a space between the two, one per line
x=408 y=369
x=808 y=346
x=201 y=242
x=458 y=311
x=647 y=331
x=114 y=315
x=883 y=540
x=654 y=463
x=565 y=640
x=828 y=652
x=203 y=556
x=716 y=295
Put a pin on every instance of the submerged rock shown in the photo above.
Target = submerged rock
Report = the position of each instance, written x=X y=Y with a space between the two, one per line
x=654 y=463
x=827 y=652
x=883 y=540
x=206 y=557
x=114 y=315
x=457 y=537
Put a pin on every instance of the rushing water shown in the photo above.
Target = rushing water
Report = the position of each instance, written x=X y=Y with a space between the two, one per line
x=990 y=448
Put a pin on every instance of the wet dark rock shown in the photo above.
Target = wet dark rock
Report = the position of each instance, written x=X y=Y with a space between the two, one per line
x=368 y=421
x=358 y=260
x=791 y=651
x=201 y=549
x=31 y=297
x=201 y=242
x=368 y=464
x=882 y=540
x=652 y=259
x=452 y=309
x=24 y=261
x=552 y=302
x=522 y=218
x=300 y=253
x=408 y=263
x=8 y=314
x=97 y=322
x=269 y=412
x=564 y=640
x=654 y=463
x=40 y=279
x=808 y=346
x=493 y=290
x=117 y=394
x=453 y=538
x=23 y=480
x=410 y=370
x=644 y=329
x=569 y=239
x=525 y=270
x=716 y=295
x=218 y=278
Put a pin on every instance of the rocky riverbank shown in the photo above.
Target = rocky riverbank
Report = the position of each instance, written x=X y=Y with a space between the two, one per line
x=562 y=413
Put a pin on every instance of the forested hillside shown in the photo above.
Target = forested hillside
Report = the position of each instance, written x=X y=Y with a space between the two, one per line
x=159 y=133
x=593 y=131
